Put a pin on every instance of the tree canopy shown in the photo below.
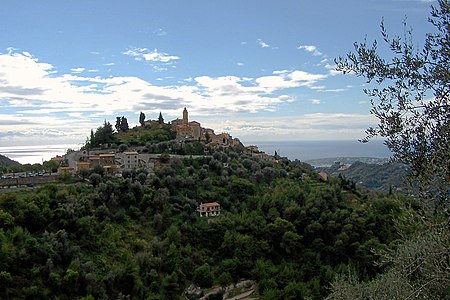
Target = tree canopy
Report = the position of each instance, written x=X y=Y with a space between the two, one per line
x=410 y=98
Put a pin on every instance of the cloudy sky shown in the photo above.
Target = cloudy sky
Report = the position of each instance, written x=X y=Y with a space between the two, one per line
x=260 y=70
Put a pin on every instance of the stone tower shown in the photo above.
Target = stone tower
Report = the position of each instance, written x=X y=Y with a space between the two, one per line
x=185 y=116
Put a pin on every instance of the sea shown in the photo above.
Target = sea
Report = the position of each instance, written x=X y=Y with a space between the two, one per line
x=301 y=150
x=36 y=153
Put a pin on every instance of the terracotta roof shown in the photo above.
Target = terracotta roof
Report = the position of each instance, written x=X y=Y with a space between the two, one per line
x=210 y=204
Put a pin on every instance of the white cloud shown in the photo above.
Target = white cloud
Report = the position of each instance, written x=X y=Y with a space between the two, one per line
x=333 y=90
x=310 y=48
x=109 y=64
x=77 y=70
x=334 y=72
x=159 y=56
x=73 y=104
x=315 y=101
x=239 y=64
x=153 y=56
x=136 y=53
x=263 y=44
x=160 y=32
x=317 y=126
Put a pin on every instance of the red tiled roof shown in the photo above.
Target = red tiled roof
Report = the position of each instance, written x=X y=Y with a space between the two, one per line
x=210 y=204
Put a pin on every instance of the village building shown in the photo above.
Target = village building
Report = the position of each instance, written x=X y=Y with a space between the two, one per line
x=65 y=170
x=192 y=130
x=133 y=160
x=128 y=160
x=186 y=129
x=209 y=209
x=83 y=165
x=94 y=161
x=252 y=148
x=264 y=156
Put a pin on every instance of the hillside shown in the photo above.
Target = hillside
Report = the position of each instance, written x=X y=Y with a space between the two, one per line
x=380 y=177
x=327 y=162
x=141 y=236
x=6 y=162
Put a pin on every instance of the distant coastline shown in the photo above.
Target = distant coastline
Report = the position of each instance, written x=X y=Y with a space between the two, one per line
x=35 y=153
x=325 y=149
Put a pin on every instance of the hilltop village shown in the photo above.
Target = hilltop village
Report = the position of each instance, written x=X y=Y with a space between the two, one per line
x=182 y=137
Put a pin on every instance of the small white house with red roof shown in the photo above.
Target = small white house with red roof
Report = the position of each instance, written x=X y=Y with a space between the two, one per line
x=211 y=209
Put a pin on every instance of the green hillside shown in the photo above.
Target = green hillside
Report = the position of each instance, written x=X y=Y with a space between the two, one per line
x=140 y=237
x=380 y=177
x=6 y=162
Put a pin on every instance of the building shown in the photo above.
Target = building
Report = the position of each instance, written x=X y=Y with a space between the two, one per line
x=252 y=148
x=264 y=156
x=209 y=209
x=186 y=129
x=94 y=161
x=108 y=162
x=131 y=160
x=83 y=165
x=107 y=159
x=65 y=170
x=194 y=131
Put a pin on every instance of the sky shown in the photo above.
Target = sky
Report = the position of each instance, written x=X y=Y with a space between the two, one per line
x=260 y=70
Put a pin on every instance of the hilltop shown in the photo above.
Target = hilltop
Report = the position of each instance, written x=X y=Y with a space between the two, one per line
x=6 y=162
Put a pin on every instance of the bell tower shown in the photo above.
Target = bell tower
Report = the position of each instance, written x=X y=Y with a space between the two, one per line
x=185 y=116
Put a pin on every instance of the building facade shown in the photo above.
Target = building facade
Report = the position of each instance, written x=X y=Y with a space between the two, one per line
x=209 y=209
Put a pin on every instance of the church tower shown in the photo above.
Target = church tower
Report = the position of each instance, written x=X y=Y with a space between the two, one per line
x=185 y=116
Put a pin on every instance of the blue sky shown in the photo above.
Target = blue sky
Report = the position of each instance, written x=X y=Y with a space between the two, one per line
x=260 y=70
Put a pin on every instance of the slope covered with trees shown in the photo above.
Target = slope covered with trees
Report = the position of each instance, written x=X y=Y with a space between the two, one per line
x=141 y=236
x=386 y=177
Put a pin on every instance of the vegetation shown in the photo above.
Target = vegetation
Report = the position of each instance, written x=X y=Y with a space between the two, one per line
x=297 y=235
x=141 y=236
x=411 y=100
x=388 y=177
x=5 y=162
x=103 y=136
x=140 y=136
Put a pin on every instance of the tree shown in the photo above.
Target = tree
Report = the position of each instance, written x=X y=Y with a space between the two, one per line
x=121 y=124
x=411 y=100
x=142 y=118
x=51 y=166
x=92 y=138
x=160 y=119
x=417 y=269
x=203 y=276
x=95 y=179
x=124 y=124
x=118 y=124
x=103 y=135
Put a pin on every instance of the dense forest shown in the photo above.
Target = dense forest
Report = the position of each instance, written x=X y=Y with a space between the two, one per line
x=140 y=236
